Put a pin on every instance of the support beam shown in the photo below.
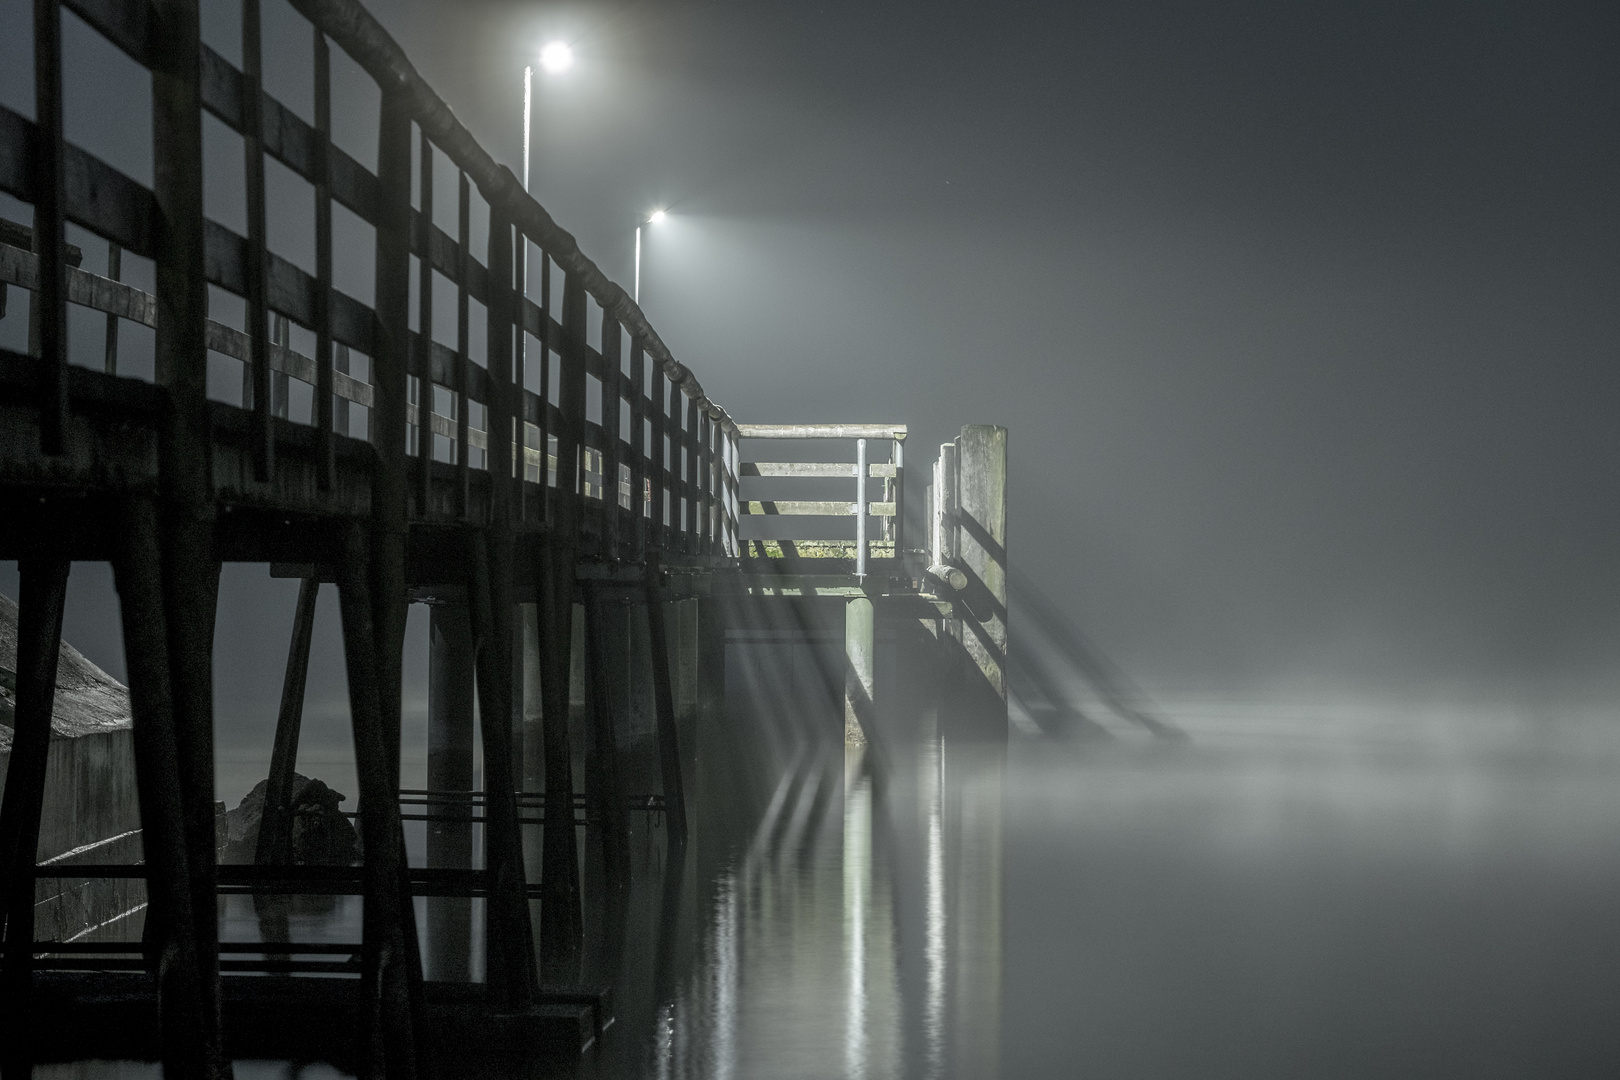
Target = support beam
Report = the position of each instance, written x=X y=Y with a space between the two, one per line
x=669 y=749
x=388 y=1020
x=39 y=641
x=509 y=940
x=560 y=916
x=606 y=663
x=275 y=827
x=859 y=665
x=187 y=1017
x=981 y=539
x=450 y=769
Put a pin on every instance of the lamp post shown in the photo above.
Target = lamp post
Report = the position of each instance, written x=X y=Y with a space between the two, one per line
x=652 y=219
x=556 y=57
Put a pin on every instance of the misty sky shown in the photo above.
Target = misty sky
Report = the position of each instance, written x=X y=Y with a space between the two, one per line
x=1303 y=317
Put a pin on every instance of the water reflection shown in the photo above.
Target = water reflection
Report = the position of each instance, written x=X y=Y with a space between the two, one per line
x=857 y=931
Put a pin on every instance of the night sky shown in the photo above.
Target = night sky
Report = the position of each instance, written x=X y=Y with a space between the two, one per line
x=1303 y=317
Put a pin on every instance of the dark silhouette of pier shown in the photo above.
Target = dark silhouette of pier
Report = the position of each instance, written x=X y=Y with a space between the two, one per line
x=560 y=505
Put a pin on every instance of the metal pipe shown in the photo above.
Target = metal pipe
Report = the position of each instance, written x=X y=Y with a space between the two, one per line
x=860 y=508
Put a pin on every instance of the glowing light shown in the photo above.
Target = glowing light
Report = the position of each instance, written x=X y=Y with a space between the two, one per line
x=557 y=57
x=655 y=217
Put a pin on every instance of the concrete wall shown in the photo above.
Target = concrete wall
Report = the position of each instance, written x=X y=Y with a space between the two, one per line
x=91 y=812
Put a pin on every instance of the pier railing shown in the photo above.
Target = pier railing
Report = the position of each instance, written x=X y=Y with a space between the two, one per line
x=435 y=401
x=861 y=555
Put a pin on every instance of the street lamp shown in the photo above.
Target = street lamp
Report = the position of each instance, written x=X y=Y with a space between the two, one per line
x=652 y=219
x=556 y=57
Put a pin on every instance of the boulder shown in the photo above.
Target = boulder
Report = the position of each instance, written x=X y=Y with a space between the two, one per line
x=321 y=834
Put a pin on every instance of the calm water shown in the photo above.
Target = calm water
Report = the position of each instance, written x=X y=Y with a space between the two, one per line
x=1282 y=900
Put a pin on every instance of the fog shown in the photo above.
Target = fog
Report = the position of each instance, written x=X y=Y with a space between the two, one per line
x=1303 y=323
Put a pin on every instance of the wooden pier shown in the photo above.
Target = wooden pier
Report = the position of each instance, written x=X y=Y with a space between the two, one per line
x=584 y=521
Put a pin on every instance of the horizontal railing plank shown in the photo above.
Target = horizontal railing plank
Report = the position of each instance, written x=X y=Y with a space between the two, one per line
x=94 y=194
x=821 y=431
x=836 y=470
x=782 y=508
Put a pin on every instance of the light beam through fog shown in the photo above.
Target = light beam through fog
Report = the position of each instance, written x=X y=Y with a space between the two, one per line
x=1271 y=732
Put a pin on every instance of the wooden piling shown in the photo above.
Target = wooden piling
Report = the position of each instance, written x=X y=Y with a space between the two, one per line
x=188 y=1015
x=981 y=539
x=450 y=770
x=669 y=751
x=275 y=826
x=560 y=916
x=605 y=627
x=388 y=1017
x=39 y=639
x=509 y=940
x=859 y=667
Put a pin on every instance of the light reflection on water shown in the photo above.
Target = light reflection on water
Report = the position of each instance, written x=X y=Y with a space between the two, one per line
x=1256 y=907
x=857 y=932
x=1278 y=903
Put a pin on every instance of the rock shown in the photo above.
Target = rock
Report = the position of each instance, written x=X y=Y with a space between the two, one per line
x=321 y=835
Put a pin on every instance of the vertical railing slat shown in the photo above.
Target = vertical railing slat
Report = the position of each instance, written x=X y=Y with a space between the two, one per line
x=705 y=483
x=463 y=354
x=545 y=386
x=424 y=328
x=612 y=366
x=690 y=439
x=115 y=266
x=860 y=508
x=49 y=241
x=898 y=497
x=638 y=451
x=660 y=471
x=326 y=420
x=498 y=360
x=257 y=376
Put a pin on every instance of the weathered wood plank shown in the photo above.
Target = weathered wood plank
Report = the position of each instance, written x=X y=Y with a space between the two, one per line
x=821 y=431
x=783 y=508
x=837 y=470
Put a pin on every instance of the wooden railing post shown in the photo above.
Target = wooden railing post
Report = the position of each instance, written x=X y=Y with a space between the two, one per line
x=189 y=577
x=275 y=826
x=388 y=1027
x=385 y=561
x=560 y=916
x=49 y=239
x=638 y=451
x=256 y=376
x=612 y=374
x=424 y=335
x=188 y=1013
x=509 y=941
x=325 y=406
x=693 y=495
x=463 y=356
